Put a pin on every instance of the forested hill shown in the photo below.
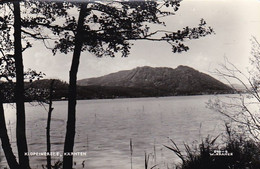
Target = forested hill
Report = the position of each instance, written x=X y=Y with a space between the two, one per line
x=160 y=81
x=139 y=82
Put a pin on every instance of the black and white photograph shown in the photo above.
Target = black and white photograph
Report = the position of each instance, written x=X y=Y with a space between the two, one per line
x=130 y=84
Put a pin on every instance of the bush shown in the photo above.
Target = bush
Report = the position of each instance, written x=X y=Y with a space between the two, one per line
x=237 y=152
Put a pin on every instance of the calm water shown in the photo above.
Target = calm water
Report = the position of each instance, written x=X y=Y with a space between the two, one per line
x=105 y=127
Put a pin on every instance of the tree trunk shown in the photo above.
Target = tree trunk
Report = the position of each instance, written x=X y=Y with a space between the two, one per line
x=48 y=140
x=71 y=121
x=19 y=90
x=10 y=157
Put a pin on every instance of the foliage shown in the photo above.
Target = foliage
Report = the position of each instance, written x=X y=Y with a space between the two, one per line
x=245 y=153
x=7 y=60
x=109 y=27
x=7 y=74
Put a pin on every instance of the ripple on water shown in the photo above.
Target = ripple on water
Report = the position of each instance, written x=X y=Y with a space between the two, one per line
x=105 y=127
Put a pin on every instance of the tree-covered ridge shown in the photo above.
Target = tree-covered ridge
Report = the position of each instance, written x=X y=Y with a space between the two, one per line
x=139 y=82
x=182 y=80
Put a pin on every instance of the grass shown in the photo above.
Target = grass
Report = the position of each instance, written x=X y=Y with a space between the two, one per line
x=131 y=152
x=237 y=152
x=146 y=161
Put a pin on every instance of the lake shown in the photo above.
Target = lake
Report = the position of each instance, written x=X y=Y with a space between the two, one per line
x=105 y=127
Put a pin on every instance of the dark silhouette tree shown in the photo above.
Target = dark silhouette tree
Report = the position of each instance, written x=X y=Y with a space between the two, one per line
x=71 y=120
x=11 y=64
x=7 y=67
x=7 y=90
x=10 y=157
x=11 y=22
x=6 y=73
x=48 y=139
x=19 y=89
x=105 y=28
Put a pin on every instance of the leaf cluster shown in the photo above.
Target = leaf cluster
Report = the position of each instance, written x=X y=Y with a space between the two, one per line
x=109 y=27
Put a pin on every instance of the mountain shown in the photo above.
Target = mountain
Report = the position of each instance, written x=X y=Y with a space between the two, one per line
x=160 y=81
x=139 y=82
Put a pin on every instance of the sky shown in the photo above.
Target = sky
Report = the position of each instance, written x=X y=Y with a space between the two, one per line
x=234 y=23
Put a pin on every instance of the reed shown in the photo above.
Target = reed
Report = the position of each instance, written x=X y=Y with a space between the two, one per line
x=237 y=151
x=154 y=150
x=146 y=161
x=87 y=143
x=131 y=153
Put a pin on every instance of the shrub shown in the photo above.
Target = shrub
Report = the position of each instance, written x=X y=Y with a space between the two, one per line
x=236 y=152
